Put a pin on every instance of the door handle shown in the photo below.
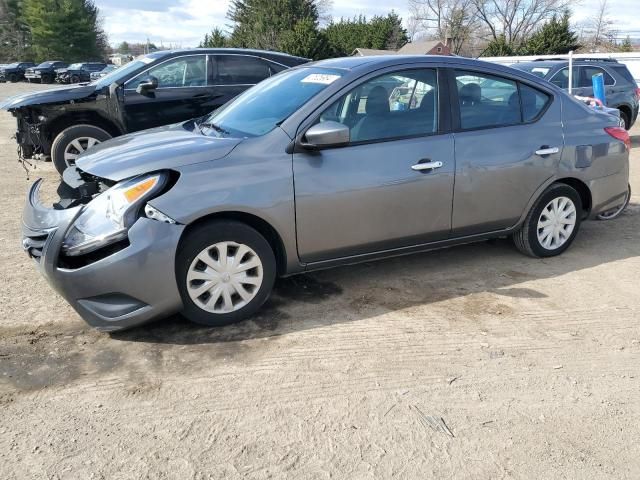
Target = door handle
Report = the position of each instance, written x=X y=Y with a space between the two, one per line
x=546 y=150
x=426 y=166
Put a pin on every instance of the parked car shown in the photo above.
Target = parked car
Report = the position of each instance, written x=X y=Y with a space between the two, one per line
x=45 y=72
x=14 y=72
x=156 y=89
x=78 y=72
x=311 y=169
x=621 y=90
x=103 y=72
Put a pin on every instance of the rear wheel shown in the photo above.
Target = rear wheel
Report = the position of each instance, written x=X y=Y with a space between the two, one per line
x=13 y=78
x=616 y=211
x=552 y=224
x=225 y=271
x=75 y=79
x=625 y=121
x=73 y=141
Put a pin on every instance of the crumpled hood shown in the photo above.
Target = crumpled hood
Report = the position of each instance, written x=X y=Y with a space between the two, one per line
x=151 y=150
x=63 y=94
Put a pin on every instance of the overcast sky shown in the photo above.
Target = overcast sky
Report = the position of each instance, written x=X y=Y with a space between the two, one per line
x=184 y=22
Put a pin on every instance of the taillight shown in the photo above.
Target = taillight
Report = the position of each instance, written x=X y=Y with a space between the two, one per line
x=638 y=93
x=621 y=134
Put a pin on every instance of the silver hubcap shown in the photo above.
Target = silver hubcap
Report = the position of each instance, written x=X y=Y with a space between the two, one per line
x=556 y=223
x=224 y=277
x=76 y=147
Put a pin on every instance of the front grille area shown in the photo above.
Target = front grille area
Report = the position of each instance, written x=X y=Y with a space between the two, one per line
x=33 y=245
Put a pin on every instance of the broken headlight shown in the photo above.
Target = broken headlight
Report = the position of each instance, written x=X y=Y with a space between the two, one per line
x=107 y=218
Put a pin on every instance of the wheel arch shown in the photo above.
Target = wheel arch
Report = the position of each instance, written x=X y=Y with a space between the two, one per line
x=582 y=189
x=88 y=117
x=259 y=224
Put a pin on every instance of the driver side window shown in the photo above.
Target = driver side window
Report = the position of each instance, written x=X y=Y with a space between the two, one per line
x=180 y=72
x=394 y=105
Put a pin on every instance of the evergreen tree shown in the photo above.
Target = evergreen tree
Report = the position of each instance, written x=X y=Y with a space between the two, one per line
x=554 y=37
x=305 y=40
x=215 y=39
x=64 y=29
x=15 y=36
x=381 y=33
x=124 y=48
x=262 y=23
x=626 y=45
x=498 y=48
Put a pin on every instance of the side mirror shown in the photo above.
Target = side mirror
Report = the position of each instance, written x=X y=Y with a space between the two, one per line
x=147 y=85
x=326 y=134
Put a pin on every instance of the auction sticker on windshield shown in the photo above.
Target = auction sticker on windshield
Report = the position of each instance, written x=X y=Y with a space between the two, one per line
x=323 y=78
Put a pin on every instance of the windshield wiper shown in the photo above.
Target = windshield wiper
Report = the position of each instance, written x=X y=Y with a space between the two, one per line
x=215 y=127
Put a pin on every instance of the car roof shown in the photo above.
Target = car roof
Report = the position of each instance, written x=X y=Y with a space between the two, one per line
x=248 y=51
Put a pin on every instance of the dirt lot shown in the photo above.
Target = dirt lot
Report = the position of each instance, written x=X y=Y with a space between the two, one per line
x=532 y=365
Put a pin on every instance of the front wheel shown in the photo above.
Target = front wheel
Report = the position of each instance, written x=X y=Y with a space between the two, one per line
x=625 y=121
x=73 y=141
x=552 y=223
x=225 y=271
x=13 y=78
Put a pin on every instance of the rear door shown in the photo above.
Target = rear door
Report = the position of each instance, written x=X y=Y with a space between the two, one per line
x=182 y=93
x=372 y=194
x=233 y=74
x=508 y=142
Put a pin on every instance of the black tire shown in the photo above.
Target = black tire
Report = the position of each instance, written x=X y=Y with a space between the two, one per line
x=75 y=79
x=68 y=135
x=206 y=235
x=526 y=239
x=46 y=79
x=13 y=78
x=624 y=117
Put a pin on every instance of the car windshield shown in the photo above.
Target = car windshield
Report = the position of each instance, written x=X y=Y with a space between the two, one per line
x=535 y=69
x=261 y=108
x=45 y=64
x=75 y=66
x=122 y=71
x=11 y=65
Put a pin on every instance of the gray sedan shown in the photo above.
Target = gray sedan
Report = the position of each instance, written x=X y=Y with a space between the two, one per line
x=336 y=162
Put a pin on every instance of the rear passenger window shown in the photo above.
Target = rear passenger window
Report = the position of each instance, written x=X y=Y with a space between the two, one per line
x=624 y=72
x=487 y=101
x=533 y=102
x=241 y=70
x=589 y=72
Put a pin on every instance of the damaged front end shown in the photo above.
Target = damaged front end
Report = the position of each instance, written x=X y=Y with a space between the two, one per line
x=86 y=244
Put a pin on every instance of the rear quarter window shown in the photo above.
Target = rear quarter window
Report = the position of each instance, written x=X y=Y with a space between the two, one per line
x=624 y=72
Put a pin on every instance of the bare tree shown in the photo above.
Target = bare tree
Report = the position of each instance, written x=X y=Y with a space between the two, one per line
x=598 y=30
x=516 y=19
x=444 y=20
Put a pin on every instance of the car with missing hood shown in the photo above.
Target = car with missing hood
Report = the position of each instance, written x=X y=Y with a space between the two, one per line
x=153 y=90
x=14 y=72
x=322 y=165
x=45 y=72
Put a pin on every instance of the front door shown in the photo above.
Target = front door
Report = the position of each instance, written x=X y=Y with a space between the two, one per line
x=376 y=194
x=182 y=93
x=503 y=152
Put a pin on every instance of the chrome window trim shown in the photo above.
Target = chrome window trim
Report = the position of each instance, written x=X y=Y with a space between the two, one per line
x=206 y=69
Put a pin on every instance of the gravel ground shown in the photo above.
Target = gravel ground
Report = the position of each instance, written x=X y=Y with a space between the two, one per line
x=532 y=365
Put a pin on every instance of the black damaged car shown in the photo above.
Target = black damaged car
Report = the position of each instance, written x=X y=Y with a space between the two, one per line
x=45 y=72
x=14 y=72
x=153 y=90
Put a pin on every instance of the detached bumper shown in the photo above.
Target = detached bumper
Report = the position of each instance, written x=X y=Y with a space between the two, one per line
x=127 y=288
